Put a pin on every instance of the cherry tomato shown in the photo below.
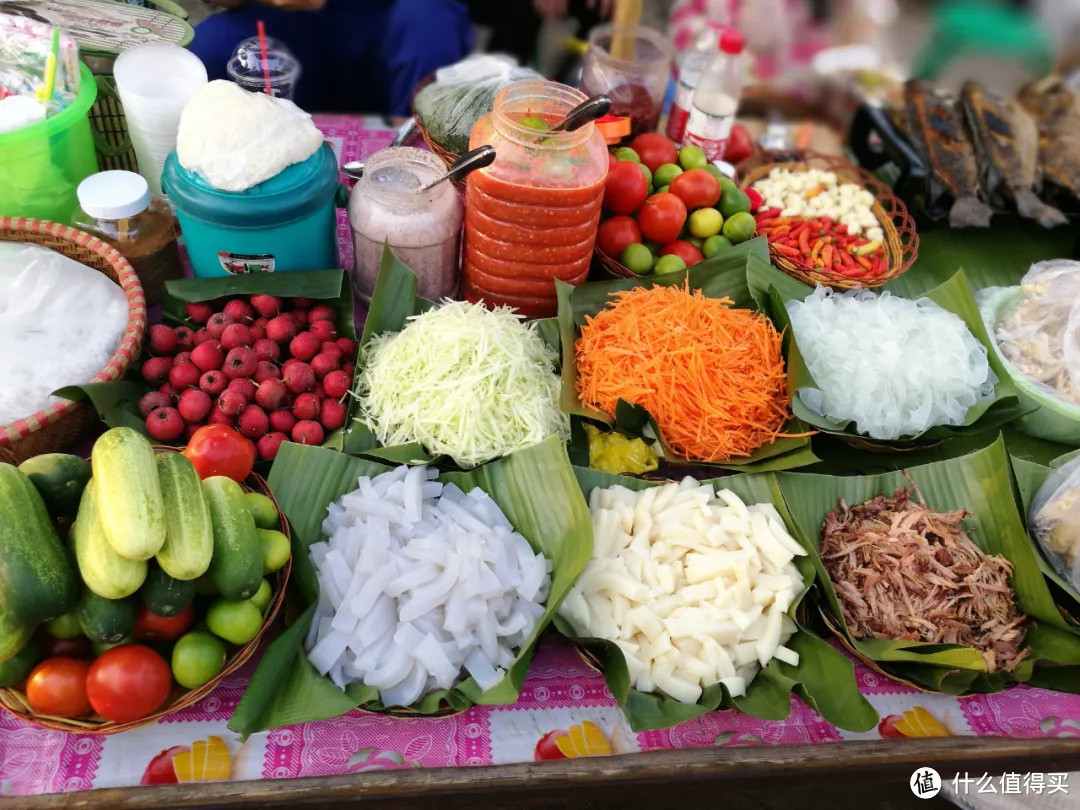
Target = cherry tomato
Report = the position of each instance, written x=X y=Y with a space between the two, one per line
x=662 y=218
x=220 y=450
x=739 y=145
x=151 y=627
x=616 y=233
x=685 y=251
x=625 y=189
x=654 y=149
x=127 y=683
x=78 y=647
x=57 y=687
x=697 y=188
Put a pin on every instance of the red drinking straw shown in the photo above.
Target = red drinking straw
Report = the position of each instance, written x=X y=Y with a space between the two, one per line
x=265 y=59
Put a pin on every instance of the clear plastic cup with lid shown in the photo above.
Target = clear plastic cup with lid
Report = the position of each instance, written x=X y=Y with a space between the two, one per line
x=249 y=70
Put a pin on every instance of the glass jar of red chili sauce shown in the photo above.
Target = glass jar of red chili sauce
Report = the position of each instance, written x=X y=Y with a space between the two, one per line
x=531 y=216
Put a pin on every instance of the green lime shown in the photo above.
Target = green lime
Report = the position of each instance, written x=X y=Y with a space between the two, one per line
x=691 y=157
x=715 y=244
x=196 y=659
x=733 y=200
x=626 y=153
x=714 y=170
x=705 y=222
x=666 y=172
x=696 y=242
x=534 y=122
x=663 y=189
x=669 y=264
x=637 y=258
x=104 y=646
x=15 y=669
x=740 y=227
x=236 y=622
x=262 y=510
x=64 y=626
x=275 y=550
x=262 y=596
x=648 y=174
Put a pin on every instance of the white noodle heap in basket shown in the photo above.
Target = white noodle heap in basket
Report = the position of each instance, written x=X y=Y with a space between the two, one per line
x=893 y=366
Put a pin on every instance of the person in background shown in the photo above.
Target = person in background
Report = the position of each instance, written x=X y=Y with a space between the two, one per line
x=516 y=23
x=355 y=55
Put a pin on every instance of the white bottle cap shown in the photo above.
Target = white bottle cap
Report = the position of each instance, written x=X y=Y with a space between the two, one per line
x=114 y=195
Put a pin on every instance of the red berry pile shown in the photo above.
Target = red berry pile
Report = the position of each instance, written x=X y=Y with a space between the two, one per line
x=274 y=369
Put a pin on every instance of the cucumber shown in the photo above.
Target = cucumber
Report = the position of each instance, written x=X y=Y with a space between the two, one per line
x=237 y=567
x=60 y=479
x=15 y=670
x=37 y=581
x=189 y=533
x=14 y=635
x=104 y=571
x=165 y=596
x=128 y=493
x=106 y=620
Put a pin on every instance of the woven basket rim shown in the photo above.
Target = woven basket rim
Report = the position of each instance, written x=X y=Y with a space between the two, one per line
x=253 y=483
x=131 y=341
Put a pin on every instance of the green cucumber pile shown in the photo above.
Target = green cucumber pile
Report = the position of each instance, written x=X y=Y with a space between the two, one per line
x=153 y=556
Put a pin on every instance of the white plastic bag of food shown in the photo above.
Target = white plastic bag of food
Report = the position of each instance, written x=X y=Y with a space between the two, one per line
x=1055 y=520
x=1040 y=333
x=60 y=322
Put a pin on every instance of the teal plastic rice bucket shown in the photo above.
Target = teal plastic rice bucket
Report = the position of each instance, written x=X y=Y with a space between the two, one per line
x=285 y=223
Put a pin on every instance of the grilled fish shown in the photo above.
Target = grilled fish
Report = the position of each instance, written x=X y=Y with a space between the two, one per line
x=1007 y=149
x=1056 y=109
x=937 y=128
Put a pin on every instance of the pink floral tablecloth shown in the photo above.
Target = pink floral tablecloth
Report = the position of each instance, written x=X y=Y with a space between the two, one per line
x=565 y=709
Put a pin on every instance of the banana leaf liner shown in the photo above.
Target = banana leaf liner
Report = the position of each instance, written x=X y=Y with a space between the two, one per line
x=771 y=289
x=824 y=678
x=117 y=403
x=723 y=275
x=980 y=483
x=393 y=302
x=536 y=490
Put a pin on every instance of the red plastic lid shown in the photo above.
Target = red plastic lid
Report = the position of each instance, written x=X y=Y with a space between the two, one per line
x=732 y=41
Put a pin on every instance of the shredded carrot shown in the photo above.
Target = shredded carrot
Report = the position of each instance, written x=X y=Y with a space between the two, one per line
x=711 y=376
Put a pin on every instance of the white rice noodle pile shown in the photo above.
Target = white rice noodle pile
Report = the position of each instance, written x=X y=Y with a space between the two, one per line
x=893 y=366
x=693 y=585
x=60 y=322
x=418 y=581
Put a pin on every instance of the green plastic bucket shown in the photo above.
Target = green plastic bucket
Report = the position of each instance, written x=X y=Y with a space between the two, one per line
x=41 y=165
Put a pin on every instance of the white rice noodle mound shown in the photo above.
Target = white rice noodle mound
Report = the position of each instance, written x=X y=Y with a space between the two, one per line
x=418 y=582
x=893 y=366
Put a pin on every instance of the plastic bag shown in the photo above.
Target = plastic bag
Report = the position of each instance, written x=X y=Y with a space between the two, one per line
x=461 y=94
x=1055 y=520
x=1040 y=335
x=60 y=322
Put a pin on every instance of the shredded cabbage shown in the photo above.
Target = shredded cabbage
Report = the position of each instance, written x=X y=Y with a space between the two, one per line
x=464 y=381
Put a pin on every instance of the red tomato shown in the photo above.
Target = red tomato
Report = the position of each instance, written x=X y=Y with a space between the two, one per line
x=662 y=217
x=697 y=188
x=685 y=251
x=547 y=749
x=616 y=233
x=161 y=771
x=611 y=161
x=220 y=450
x=127 y=683
x=625 y=189
x=654 y=149
x=78 y=647
x=739 y=145
x=151 y=627
x=57 y=687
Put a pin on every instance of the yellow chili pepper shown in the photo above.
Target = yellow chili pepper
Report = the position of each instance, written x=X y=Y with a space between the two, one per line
x=869 y=247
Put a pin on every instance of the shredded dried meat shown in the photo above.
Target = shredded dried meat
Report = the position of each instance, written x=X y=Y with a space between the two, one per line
x=902 y=571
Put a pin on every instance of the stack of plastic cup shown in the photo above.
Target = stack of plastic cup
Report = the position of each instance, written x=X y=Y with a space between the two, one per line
x=155 y=82
x=248 y=69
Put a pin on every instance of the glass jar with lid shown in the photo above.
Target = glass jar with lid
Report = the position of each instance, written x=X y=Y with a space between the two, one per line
x=531 y=216
x=422 y=228
x=117 y=207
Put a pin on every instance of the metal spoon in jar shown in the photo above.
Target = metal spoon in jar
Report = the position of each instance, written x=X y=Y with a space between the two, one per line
x=583 y=113
x=355 y=168
x=472 y=160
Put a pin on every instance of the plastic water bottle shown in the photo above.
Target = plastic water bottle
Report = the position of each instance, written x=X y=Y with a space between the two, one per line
x=716 y=97
x=694 y=62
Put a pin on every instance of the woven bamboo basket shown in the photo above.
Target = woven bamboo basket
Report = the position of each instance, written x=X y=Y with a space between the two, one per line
x=54 y=428
x=14 y=700
x=901 y=240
